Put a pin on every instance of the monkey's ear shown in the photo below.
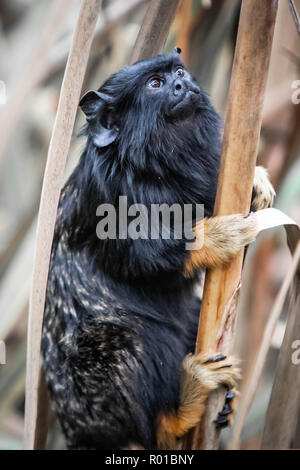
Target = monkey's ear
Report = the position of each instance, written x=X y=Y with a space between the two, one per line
x=93 y=104
x=177 y=50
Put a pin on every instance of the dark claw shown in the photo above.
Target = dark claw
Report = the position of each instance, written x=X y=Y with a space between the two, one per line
x=222 y=420
x=229 y=395
x=217 y=358
x=226 y=410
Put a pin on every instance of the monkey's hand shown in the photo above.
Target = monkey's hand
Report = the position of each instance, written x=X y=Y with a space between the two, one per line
x=263 y=192
x=219 y=239
x=201 y=374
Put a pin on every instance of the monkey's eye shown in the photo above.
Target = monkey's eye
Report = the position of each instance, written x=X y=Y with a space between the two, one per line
x=180 y=72
x=155 y=83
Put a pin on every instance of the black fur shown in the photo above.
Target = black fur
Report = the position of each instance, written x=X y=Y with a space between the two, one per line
x=120 y=316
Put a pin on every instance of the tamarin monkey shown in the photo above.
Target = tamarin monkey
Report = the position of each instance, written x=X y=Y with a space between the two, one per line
x=121 y=312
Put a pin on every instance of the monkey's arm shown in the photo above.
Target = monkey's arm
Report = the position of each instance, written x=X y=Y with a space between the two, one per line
x=201 y=374
x=220 y=239
x=223 y=237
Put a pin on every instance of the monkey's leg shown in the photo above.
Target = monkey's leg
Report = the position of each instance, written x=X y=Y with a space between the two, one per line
x=263 y=192
x=201 y=374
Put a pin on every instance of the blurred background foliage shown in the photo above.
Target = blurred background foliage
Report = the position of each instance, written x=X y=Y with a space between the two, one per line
x=35 y=37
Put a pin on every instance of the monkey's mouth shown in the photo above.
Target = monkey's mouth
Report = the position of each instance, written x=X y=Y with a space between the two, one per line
x=189 y=102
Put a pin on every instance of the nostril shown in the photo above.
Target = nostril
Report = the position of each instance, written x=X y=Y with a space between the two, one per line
x=178 y=86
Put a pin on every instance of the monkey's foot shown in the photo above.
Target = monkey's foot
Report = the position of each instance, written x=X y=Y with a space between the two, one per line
x=201 y=374
x=211 y=373
x=263 y=192
x=207 y=373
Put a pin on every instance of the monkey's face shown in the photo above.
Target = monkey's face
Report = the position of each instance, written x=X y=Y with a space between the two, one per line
x=171 y=90
x=141 y=100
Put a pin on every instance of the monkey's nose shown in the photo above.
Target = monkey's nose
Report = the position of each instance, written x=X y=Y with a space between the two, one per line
x=178 y=88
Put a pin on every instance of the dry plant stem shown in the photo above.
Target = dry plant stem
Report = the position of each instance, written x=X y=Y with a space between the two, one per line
x=155 y=29
x=283 y=411
x=258 y=364
x=43 y=413
x=58 y=150
x=183 y=22
x=240 y=142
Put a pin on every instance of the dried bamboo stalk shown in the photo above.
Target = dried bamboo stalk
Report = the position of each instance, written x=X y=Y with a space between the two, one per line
x=240 y=142
x=155 y=29
x=183 y=21
x=58 y=150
